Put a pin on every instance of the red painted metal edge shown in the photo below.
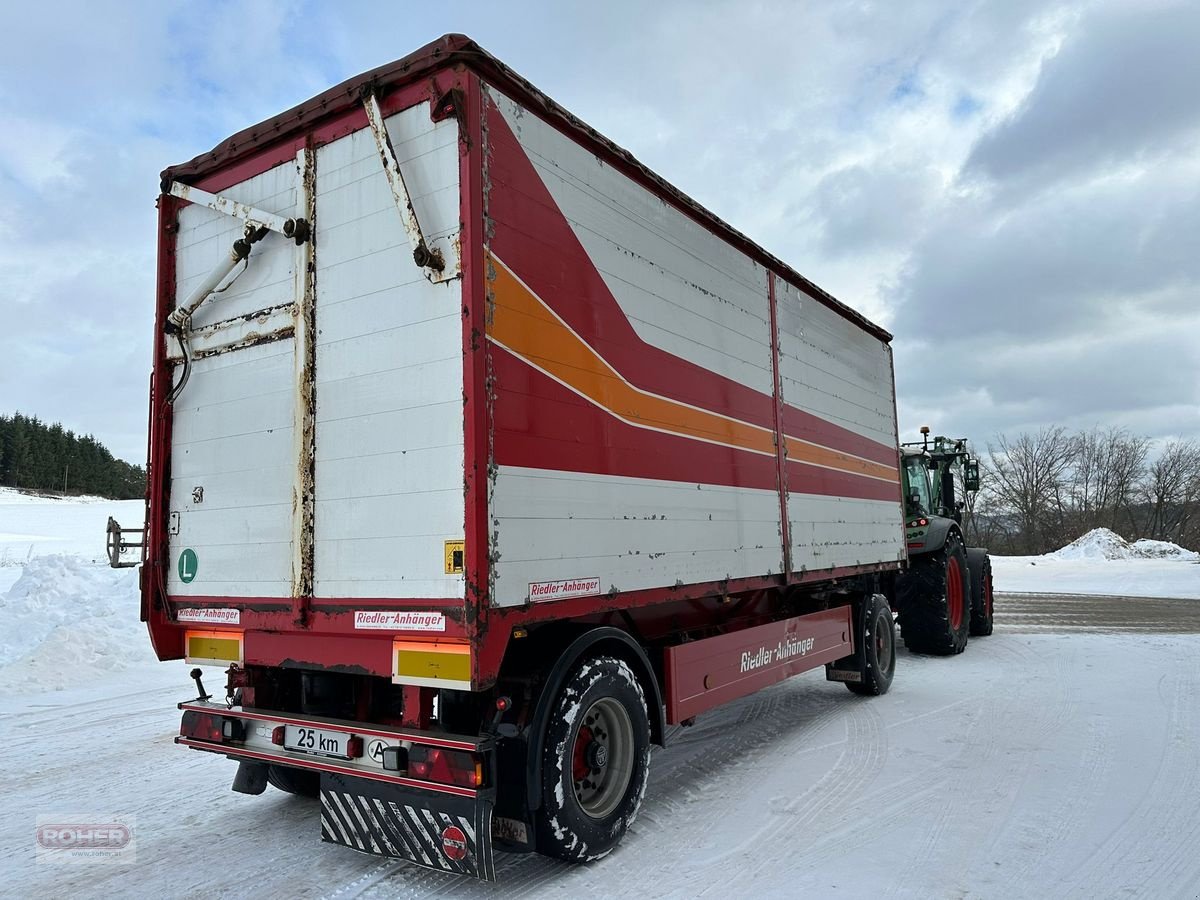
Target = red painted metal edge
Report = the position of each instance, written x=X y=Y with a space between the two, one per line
x=704 y=674
x=166 y=639
x=334 y=725
x=477 y=407
x=239 y=753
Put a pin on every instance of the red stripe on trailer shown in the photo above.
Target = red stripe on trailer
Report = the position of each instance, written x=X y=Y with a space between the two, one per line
x=706 y=673
x=540 y=424
x=806 y=479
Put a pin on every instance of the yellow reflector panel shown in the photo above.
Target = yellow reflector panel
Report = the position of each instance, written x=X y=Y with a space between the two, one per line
x=435 y=662
x=217 y=647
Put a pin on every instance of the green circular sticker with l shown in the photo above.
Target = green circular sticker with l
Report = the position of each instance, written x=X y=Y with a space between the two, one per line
x=187 y=565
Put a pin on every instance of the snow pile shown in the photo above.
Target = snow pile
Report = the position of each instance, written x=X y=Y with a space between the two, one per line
x=66 y=620
x=65 y=616
x=1103 y=543
x=1148 y=549
x=1103 y=563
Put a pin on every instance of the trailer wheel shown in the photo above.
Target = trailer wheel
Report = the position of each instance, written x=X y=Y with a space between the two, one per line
x=934 y=598
x=301 y=782
x=878 y=648
x=981 y=591
x=597 y=760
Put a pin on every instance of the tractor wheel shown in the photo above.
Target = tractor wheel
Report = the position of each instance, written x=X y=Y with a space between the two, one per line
x=596 y=764
x=877 y=636
x=301 y=782
x=934 y=597
x=981 y=591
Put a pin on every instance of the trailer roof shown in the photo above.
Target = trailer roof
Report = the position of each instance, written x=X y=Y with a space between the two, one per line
x=453 y=49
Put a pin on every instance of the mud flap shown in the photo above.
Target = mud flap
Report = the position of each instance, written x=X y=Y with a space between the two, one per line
x=443 y=832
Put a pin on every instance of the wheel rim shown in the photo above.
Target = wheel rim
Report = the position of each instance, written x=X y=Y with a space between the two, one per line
x=883 y=641
x=602 y=757
x=954 y=593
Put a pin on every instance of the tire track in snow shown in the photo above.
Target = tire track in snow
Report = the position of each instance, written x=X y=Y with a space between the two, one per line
x=1160 y=828
x=942 y=846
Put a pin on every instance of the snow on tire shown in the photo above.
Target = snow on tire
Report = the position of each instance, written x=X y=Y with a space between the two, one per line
x=596 y=764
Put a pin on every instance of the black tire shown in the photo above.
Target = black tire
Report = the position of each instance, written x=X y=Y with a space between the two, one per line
x=981 y=591
x=877 y=652
x=934 y=598
x=590 y=796
x=301 y=782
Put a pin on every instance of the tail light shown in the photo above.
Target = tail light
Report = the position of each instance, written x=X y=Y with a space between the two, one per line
x=202 y=727
x=445 y=766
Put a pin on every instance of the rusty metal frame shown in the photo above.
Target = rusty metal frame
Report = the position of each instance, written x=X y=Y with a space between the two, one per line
x=429 y=259
x=256 y=218
x=304 y=485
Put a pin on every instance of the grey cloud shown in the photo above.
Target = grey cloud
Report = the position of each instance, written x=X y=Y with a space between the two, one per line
x=1121 y=88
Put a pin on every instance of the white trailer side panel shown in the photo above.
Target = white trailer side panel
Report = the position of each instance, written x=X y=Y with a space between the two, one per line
x=389 y=433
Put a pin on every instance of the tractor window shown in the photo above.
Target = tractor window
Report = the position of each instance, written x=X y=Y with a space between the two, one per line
x=918 y=483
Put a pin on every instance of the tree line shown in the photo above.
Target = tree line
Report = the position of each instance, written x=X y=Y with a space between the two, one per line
x=37 y=456
x=1041 y=490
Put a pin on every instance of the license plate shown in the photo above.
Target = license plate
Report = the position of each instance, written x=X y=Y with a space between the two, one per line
x=316 y=740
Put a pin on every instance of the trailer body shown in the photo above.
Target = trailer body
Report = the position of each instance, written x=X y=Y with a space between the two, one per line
x=500 y=391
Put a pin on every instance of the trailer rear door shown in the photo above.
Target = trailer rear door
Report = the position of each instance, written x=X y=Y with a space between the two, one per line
x=317 y=447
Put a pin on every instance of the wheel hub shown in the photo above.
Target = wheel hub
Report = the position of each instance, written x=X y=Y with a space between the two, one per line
x=597 y=755
x=602 y=759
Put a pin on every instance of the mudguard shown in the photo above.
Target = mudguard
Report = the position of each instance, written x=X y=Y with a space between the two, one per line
x=440 y=831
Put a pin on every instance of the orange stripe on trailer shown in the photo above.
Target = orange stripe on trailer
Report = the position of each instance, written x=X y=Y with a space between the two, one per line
x=526 y=326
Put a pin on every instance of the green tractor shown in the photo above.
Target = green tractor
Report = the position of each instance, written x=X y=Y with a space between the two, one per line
x=946 y=593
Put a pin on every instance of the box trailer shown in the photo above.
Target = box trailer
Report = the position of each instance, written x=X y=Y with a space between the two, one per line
x=480 y=456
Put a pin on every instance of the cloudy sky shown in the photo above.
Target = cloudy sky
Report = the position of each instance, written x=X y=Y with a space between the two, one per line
x=1012 y=187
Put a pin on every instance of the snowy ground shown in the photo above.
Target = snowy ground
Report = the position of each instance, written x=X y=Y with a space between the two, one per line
x=1035 y=764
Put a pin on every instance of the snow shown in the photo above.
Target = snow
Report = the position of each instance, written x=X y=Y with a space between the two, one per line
x=65 y=616
x=1102 y=543
x=1101 y=562
x=1032 y=764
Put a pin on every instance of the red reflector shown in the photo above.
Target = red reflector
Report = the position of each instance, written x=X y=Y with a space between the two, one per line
x=916 y=545
x=445 y=766
x=277 y=735
x=202 y=727
x=354 y=747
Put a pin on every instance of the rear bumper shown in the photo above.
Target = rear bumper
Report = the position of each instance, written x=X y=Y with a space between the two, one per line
x=365 y=806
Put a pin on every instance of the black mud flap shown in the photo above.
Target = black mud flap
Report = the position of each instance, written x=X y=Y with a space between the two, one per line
x=443 y=832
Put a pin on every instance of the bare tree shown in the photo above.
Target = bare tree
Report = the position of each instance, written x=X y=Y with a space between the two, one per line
x=1027 y=479
x=1171 y=491
x=1107 y=467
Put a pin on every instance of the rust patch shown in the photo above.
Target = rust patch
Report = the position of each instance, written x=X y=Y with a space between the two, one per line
x=253 y=339
x=304 y=494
